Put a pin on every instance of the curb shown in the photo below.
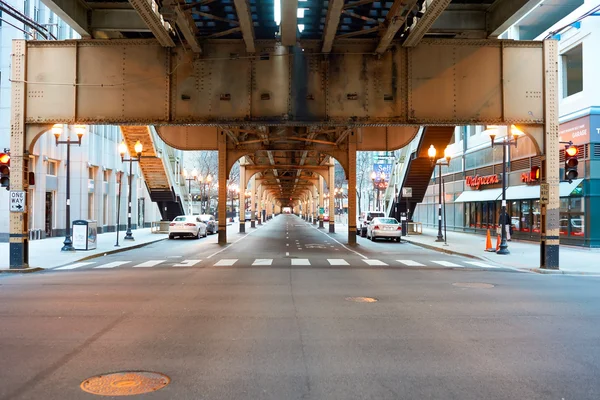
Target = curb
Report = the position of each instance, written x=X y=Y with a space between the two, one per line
x=120 y=250
x=560 y=272
x=441 y=250
x=21 y=270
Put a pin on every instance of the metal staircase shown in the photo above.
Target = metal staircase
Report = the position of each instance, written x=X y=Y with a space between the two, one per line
x=418 y=167
x=159 y=171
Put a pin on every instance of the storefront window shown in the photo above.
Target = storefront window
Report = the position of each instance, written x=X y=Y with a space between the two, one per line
x=564 y=204
x=467 y=214
x=525 y=221
x=536 y=216
x=473 y=220
x=577 y=226
x=577 y=204
x=515 y=215
x=484 y=222
x=478 y=215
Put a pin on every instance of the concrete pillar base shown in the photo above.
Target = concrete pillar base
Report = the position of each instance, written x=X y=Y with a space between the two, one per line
x=222 y=235
x=352 y=237
x=331 y=228
x=242 y=227
x=252 y=224
x=258 y=222
x=321 y=225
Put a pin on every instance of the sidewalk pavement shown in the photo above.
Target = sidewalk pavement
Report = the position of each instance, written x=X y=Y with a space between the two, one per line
x=524 y=255
x=46 y=253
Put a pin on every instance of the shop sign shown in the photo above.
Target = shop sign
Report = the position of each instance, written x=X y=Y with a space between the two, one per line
x=576 y=131
x=477 y=181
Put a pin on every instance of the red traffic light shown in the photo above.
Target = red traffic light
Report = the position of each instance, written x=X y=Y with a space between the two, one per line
x=4 y=158
x=534 y=175
x=571 y=151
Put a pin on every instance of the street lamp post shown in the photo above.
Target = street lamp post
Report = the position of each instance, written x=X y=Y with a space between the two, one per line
x=138 y=151
x=431 y=152
x=377 y=185
x=204 y=197
x=510 y=139
x=192 y=178
x=57 y=130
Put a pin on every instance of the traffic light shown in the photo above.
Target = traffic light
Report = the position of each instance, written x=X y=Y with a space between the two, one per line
x=571 y=163
x=5 y=170
x=534 y=174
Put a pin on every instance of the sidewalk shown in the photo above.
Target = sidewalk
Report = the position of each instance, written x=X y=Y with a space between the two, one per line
x=523 y=254
x=46 y=253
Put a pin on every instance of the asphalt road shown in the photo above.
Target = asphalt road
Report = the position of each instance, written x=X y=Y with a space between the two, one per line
x=279 y=330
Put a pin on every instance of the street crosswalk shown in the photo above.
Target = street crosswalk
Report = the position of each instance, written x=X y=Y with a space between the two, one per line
x=264 y=262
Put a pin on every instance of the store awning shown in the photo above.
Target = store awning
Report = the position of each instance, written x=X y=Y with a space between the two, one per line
x=479 y=195
x=525 y=192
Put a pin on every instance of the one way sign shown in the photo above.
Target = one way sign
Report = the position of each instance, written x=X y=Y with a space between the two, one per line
x=17 y=200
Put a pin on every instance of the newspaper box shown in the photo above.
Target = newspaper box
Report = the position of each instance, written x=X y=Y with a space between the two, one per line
x=85 y=234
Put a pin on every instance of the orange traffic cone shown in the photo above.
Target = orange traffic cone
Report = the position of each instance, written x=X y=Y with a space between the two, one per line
x=497 y=242
x=488 y=242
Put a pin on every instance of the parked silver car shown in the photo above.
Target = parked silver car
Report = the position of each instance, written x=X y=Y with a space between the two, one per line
x=388 y=228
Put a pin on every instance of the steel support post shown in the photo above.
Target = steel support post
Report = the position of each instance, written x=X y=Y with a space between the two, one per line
x=440 y=237
x=321 y=199
x=18 y=242
x=549 y=246
x=331 y=197
x=128 y=234
x=316 y=206
x=242 y=206
x=503 y=244
x=351 y=188
x=222 y=198
x=259 y=205
x=253 y=201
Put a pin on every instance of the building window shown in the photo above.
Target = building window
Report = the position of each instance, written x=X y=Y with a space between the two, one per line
x=106 y=176
x=105 y=210
x=91 y=173
x=90 y=205
x=572 y=63
x=52 y=167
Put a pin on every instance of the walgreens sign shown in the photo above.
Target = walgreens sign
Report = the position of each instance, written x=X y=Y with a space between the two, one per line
x=477 y=181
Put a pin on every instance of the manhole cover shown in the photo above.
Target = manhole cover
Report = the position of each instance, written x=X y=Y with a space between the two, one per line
x=362 y=299
x=125 y=383
x=475 y=285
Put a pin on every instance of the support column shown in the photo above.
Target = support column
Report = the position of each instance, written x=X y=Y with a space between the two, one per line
x=352 y=188
x=18 y=241
x=243 y=183
x=253 y=201
x=315 y=195
x=321 y=199
x=332 y=197
x=222 y=177
x=550 y=212
x=259 y=204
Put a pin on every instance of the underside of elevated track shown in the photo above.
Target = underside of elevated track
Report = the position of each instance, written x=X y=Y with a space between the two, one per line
x=287 y=99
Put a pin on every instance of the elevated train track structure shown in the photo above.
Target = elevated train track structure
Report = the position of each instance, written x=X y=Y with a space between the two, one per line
x=338 y=77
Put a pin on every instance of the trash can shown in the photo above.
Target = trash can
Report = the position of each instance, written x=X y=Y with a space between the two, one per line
x=85 y=234
x=404 y=223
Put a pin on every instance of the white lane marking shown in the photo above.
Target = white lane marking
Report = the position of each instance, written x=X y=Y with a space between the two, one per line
x=446 y=264
x=374 y=262
x=335 y=240
x=411 y=263
x=150 y=263
x=299 y=248
x=226 y=247
x=174 y=256
x=300 y=261
x=480 y=264
x=287 y=253
x=226 y=262
x=263 y=261
x=287 y=244
x=112 y=264
x=187 y=263
x=337 y=261
x=76 y=265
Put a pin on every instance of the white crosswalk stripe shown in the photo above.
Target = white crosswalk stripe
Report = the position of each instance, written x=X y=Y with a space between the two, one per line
x=300 y=261
x=263 y=261
x=226 y=262
x=411 y=263
x=447 y=264
x=374 y=262
x=112 y=264
x=187 y=263
x=148 y=264
x=76 y=265
x=480 y=264
x=337 y=261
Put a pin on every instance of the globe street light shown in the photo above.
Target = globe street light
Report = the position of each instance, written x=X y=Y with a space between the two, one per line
x=432 y=152
x=510 y=139
x=57 y=131
x=138 y=151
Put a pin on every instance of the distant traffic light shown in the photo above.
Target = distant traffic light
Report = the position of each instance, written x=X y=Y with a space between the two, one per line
x=534 y=174
x=571 y=163
x=5 y=170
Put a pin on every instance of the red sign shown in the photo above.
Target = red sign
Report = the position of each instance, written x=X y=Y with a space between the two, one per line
x=477 y=181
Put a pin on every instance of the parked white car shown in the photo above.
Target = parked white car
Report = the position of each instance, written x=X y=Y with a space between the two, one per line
x=388 y=228
x=187 y=225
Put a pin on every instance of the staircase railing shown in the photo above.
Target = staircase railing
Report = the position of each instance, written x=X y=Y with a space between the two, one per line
x=169 y=157
x=399 y=172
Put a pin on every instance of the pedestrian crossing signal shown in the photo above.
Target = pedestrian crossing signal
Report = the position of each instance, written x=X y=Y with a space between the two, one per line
x=571 y=163
x=5 y=170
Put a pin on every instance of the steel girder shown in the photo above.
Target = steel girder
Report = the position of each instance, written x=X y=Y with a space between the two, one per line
x=443 y=82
